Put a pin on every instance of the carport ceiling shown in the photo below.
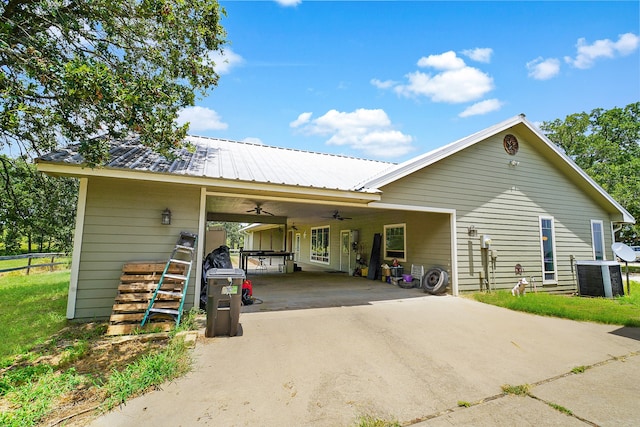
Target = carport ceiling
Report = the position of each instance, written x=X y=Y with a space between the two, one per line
x=295 y=212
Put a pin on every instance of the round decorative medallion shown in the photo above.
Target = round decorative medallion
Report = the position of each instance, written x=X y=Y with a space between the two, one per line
x=510 y=144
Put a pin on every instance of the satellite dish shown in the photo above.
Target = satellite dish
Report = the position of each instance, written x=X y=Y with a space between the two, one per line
x=624 y=252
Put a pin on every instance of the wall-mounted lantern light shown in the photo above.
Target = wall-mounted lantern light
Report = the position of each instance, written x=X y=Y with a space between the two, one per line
x=471 y=231
x=166 y=217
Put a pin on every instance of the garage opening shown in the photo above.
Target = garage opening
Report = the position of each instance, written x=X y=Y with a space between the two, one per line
x=286 y=238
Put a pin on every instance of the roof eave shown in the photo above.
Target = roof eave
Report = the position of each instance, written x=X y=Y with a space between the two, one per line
x=202 y=181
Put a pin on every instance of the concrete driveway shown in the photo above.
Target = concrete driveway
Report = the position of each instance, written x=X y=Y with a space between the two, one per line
x=395 y=354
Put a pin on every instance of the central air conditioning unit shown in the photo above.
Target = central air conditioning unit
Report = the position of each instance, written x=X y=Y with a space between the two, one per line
x=599 y=279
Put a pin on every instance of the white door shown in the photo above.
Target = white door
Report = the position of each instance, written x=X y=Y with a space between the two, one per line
x=345 y=250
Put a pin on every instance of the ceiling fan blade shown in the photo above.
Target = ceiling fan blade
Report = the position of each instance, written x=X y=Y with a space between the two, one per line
x=258 y=210
x=336 y=215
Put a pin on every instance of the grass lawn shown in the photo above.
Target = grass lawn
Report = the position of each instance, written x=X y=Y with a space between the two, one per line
x=33 y=309
x=618 y=311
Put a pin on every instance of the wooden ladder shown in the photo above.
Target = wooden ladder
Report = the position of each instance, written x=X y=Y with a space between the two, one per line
x=182 y=255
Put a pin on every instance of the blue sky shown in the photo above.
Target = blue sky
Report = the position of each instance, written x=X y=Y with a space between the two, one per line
x=392 y=80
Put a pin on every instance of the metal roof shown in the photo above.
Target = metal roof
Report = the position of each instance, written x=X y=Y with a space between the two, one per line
x=233 y=160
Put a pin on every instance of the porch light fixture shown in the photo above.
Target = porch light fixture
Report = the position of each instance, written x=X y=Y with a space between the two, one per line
x=166 y=217
x=513 y=163
x=471 y=231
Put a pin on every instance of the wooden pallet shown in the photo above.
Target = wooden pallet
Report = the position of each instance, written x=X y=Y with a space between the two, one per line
x=137 y=284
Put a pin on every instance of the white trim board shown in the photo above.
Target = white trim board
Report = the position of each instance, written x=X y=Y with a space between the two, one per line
x=77 y=248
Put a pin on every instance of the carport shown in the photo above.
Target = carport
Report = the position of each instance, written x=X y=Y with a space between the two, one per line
x=287 y=224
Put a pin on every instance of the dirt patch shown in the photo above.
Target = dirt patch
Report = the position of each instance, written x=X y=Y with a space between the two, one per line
x=86 y=349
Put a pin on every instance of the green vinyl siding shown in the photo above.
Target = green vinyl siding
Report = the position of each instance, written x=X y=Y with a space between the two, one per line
x=506 y=202
x=122 y=224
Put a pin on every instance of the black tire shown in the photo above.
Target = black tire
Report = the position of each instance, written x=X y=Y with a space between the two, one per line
x=405 y=285
x=435 y=281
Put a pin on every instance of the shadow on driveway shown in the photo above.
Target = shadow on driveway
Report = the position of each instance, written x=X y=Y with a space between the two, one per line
x=627 y=332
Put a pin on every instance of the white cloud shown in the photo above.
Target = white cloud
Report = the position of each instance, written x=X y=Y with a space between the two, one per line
x=288 y=3
x=302 y=119
x=201 y=119
x=453 y=86
x=482 y=107
x=455 y=81
x=444 y=61
x=589 y=53
x=543 y=69
x=225 y=61
x=480 y=54
x=627 y=43
x=369 y=131
x=362 y=118
x=383 y=84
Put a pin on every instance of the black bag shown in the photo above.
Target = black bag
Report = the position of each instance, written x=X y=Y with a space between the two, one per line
x=218 y=258
x=246 y=298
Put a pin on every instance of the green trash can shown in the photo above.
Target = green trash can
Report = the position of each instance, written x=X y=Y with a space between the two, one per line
x=224 y=299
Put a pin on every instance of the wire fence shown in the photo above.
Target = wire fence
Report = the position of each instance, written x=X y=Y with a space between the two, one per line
x=30 y=264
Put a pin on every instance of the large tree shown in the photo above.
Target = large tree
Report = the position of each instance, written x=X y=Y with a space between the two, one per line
x=71 y=70
x=606 y=145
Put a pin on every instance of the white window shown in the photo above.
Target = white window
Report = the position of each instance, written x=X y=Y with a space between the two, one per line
x=597 y=239
x=320 y=244
x=395 y=242
x=548 y=250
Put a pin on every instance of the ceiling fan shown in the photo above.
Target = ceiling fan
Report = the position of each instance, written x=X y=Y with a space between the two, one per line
x=258 y=210
x=336 y=215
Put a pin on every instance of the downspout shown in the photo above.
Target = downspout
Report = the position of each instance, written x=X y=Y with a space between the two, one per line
x=455 y=290
x=77 y=248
